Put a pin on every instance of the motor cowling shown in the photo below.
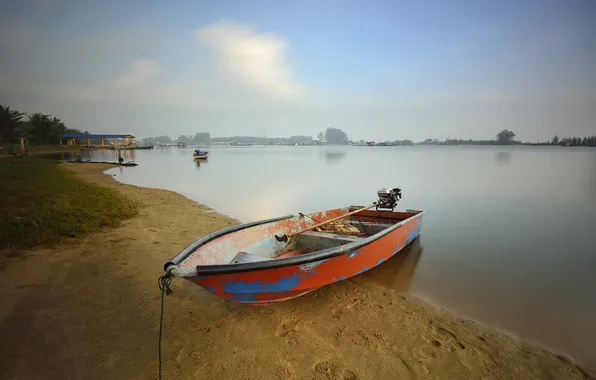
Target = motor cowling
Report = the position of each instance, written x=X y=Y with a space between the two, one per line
x=388 y=198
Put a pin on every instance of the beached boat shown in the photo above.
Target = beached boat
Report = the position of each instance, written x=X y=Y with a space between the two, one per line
x=199 y=154
x=281 y=258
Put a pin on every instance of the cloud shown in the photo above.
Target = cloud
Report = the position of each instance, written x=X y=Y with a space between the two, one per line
x=256 y=59
x=139 y=73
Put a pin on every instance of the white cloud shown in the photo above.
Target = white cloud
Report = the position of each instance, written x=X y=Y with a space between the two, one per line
x=139 y=73
x=256 y=59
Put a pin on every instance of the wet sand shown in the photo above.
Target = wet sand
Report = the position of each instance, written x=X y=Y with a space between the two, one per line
x=89 y=309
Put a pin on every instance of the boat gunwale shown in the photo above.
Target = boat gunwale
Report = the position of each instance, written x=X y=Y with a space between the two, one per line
x=209 y=270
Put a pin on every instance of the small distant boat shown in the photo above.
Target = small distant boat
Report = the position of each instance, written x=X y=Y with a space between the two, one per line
x=199 y=154
x=136 y=147
x=277 y=259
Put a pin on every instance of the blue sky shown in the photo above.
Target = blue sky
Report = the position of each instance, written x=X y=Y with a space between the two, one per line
x=379 y=70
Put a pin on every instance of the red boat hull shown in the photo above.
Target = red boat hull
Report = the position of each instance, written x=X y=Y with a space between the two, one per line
x=267 y=286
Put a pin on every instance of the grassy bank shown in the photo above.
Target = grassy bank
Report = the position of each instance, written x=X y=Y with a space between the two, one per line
x=31 y=148
x=42 y=202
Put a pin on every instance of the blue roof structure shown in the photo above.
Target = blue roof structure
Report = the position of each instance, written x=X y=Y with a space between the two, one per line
x=92 y=136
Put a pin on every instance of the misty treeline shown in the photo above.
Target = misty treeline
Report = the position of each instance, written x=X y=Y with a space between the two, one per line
x=293 y=140
x=335 y=136
x=37 y=128
x=574 y=141
x=300 y=140
x=506 y=137
x=331 y=135
x=198 y=139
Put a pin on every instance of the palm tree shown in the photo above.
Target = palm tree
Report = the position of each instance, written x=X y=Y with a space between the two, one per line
x=41 y=127
x=10 y=121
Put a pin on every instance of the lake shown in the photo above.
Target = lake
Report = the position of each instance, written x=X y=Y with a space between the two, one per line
x=508 y=237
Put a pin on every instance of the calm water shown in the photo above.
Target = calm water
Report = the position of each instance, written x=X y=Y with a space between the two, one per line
x=508 y=236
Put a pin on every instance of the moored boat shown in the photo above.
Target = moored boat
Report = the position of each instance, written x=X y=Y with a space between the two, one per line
x=136 y=147
x=142 y=147
x=281 y=258
x=199 y=154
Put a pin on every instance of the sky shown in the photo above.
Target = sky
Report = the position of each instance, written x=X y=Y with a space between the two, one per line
x=379 y=70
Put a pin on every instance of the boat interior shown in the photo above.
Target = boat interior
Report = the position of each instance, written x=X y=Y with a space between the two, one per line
x=260 y=242
x=333 y=234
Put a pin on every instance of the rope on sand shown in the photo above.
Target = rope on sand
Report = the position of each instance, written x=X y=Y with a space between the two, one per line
x=164 y=286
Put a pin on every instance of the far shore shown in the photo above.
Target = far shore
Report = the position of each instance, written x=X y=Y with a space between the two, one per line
x=88 y=308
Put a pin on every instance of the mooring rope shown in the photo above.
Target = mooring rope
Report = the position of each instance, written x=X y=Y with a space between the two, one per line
x=164 y=286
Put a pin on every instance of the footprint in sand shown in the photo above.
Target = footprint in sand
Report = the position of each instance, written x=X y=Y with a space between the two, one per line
x=286 y=326
x=330 y=371
x=448 y=335
x=340 y=331
x=326 y=369
x=343 y=310
x=336 y=313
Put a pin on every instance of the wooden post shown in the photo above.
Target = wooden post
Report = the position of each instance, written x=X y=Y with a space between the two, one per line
x=23 y=153
x=88 y=141
x=102 y=142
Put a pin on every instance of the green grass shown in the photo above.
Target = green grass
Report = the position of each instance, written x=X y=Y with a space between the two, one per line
x=42 y=202
x=32 y=149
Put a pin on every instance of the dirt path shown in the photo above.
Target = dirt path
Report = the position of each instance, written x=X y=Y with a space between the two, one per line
x=89 y=309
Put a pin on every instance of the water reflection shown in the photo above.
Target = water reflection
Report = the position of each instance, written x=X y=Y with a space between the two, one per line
x=592 y=184
x=396 y=273
x=96 y=155
x=198 y=163
x=503 y=158
x=334 y=156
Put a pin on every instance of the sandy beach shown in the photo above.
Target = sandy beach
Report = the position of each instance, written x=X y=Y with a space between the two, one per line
x=89 y=309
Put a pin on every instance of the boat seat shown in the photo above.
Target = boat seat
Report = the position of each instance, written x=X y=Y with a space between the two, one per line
x=369 y=224
x=243 y=257
x=331 y=236
x=370 y=228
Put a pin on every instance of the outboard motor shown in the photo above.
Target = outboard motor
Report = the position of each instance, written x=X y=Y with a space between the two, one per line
x=388 y=198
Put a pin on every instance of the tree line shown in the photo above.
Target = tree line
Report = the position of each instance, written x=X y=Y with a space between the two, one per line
x=253 y=140
x=331 y=136
x=37 y=128
x=204 y=138
x=506 y=137
x=574 y=141
x=198 y=138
